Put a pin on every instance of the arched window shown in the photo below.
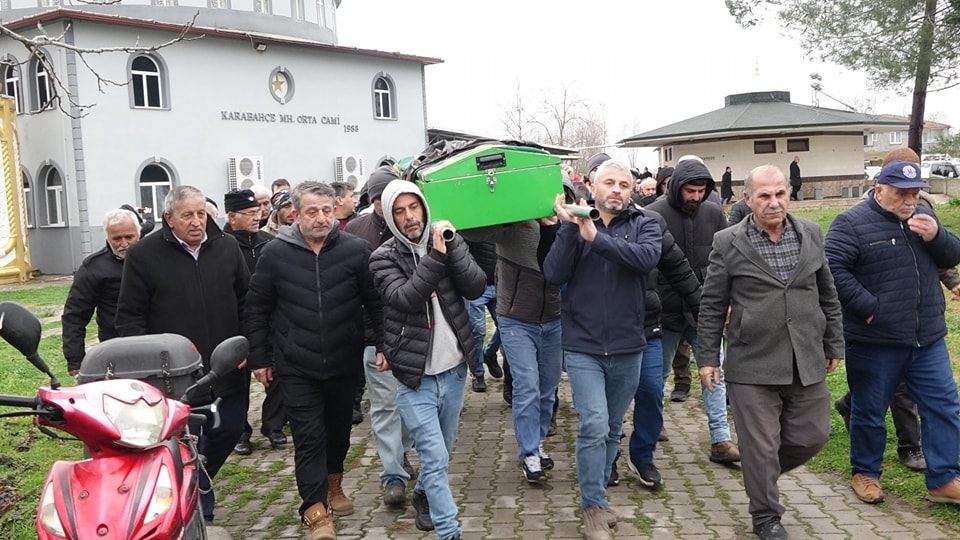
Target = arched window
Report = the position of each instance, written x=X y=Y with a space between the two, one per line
x=11 y=82
x=43 y=83
x=154 y=185
x=53 y=196
x=145 y=78
x=28 y=199
x=383 y=99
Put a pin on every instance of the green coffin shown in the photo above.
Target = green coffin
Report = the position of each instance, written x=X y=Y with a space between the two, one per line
x=492 y=185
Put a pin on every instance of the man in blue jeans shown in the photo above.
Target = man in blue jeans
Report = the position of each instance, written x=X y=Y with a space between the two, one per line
x=423 y=280
x=604 y=265
x=884 y=254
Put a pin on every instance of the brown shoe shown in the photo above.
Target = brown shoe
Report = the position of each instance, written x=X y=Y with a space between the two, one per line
x=340 y=505
x=948 y=493
x=595 y=524
x=868 y=490
x=320 y=523
x=724 y=452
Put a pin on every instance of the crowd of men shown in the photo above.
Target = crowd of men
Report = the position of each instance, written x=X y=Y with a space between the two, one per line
x=334 y=301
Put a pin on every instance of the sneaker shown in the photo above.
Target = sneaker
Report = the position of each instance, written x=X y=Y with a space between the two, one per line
x=844 y=411
x=868 y=490
x=913 y=460
x=771 y=530
x=595 y=524
x=408 y=467
x=532 y=471
x=394 y=493
x=680 y=393
x=243 y=445
x=724 y=452
x=479 y=385
x=647 y=474
x=949 y=493
x=490 y=360
x=422 y=508
x=546 y=462
x=614 y=479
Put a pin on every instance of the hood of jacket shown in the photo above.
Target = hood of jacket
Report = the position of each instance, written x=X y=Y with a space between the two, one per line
x=291 y=234
x=685 y=172
x=390 y=194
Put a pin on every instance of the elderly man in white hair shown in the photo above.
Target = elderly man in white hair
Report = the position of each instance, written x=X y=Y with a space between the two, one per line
x=263 y=195
x=96 y=286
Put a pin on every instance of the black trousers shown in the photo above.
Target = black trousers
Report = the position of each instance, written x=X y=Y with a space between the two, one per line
x=905 y=419
x=320 y=413
x=273 y=414
x=794 y=190
x=217 y=444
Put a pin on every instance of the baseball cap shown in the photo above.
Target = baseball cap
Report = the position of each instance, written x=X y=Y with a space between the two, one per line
x=901 y=174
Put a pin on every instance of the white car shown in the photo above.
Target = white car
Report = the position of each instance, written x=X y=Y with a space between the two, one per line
x=870 y=173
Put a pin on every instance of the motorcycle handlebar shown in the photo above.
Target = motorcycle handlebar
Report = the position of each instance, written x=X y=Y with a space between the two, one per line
x=19 y=401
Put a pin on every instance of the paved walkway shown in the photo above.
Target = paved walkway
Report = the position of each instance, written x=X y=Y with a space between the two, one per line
x=700 y=500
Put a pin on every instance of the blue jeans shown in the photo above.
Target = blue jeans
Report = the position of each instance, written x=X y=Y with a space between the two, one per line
x=390 y=433
x=478 y=324
x=432 y=414
x=648 y=405
x=533 y=351
x=714 y=403
x=602 y=387
x=873 y=372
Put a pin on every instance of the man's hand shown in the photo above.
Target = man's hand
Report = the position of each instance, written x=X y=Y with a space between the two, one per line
x=924 y=225
x=382 y=364
x=242 y=364
x=709 y=375
x=439 y=243
x=264 y=375
x=832 y=364
x=587 y=228
x=73 y=372
x=956 y=293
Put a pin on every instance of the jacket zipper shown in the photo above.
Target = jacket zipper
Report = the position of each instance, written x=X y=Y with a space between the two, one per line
x=316 y=274
x=916 y=271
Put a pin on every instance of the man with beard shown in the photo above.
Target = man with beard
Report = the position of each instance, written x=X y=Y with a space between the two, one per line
x=423 y=280
x=243 y=216
x=282 y=212
x=96 y=286
x=769 y=277
x=604 y=266
x=304 y=308
x=693 y=221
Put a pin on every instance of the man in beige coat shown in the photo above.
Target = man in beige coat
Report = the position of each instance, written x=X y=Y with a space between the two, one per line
x=785 y=333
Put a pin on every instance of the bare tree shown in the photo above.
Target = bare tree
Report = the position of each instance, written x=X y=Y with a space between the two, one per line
x=517 y=120
x=59 y=90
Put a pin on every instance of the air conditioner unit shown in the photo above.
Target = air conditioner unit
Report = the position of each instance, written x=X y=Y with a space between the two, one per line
x=243 y=172
x=349 y=169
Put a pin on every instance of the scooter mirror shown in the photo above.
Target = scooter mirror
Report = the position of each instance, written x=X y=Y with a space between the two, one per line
x=20 y=328
x=228 y=355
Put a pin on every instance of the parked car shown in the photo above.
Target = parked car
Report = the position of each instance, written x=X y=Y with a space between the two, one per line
x=870 y=173
x=941 y=169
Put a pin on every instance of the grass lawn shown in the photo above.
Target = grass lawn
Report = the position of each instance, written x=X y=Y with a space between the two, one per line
x=26 y=454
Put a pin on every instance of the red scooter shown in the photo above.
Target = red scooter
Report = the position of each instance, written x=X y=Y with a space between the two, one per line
x=141 y=480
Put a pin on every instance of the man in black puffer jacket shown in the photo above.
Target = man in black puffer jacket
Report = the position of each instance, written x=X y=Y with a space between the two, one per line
x=304 y=322
x=423 y=280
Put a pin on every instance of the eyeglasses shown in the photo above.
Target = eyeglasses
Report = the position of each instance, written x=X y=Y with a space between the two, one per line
x=250 y=213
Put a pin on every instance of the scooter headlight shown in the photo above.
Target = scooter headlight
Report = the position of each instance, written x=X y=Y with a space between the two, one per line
x=162 y=498
x=49 y=518
x=139 y=423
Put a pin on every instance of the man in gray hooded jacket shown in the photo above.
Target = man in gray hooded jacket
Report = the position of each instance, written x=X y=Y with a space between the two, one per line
x=422 y=278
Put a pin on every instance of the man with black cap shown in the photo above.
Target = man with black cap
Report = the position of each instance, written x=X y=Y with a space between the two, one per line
x=884 y=254
x=593 y=162
x=282 y=213
x=243 y=218
x=391 y=436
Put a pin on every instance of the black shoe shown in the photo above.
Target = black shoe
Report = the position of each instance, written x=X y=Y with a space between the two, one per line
x=680 y=393
x=408 y=467
x=490 y=359
x=422 y=507
x=479 y=385
x=614 y=475
x=357 y=415
x=844 y=411
x=277 y=439
x=647 y=474
x=508 y=395
x=243 y=445
x=913 y=460
x=546 y=462
x=771 y=530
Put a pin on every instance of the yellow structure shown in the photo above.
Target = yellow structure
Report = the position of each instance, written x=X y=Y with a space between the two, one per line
x=14 y=251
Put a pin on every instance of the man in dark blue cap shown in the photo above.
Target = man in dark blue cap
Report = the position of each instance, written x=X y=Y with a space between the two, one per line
x=884 y=254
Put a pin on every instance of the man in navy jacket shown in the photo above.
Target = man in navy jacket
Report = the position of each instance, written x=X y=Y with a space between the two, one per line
x=604 y=265
x=884 y=254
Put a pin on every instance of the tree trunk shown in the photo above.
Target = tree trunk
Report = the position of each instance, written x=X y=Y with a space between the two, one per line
x=924 y=59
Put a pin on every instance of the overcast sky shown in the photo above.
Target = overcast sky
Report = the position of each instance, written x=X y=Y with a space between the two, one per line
x=647 y=63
